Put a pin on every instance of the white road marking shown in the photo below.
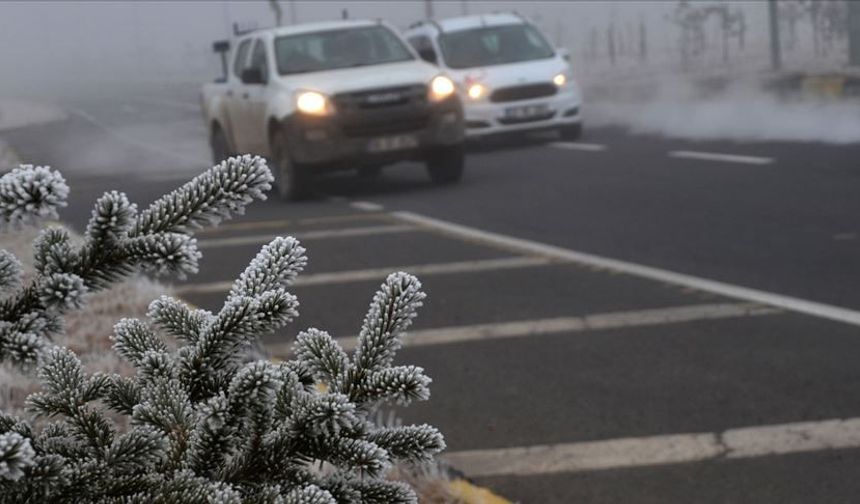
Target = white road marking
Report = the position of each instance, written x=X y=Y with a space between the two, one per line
x=579 y=146
x=530 y=247
x=539 y=327
x=380 y=273
x=715 y=156
x=284 y=223
x=366 y=206
x=319 y=234
x=748 y=442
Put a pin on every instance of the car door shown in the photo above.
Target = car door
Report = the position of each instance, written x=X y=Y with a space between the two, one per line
x=235 y=101
x=255 y=98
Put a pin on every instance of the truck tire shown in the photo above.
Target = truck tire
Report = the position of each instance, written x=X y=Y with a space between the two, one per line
x=445 y=164
x=293 y=181
x=219 y=145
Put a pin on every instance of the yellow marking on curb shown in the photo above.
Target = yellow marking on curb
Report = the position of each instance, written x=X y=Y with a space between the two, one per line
x=472 y=494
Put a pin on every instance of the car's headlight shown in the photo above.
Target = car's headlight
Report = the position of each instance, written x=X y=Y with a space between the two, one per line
x=559 y=80
x=441 y=87
x=313 y=103
x=476 y=91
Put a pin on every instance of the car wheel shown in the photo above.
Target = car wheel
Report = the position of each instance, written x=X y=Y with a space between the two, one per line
x=220 y=148
x=571 y=132
x=293 y=181
x=445 y=164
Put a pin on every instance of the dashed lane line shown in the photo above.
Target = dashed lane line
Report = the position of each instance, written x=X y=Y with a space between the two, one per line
x=367 y=206
x=380 y=273
x=742 y=443
x=533 y=248
x=309 y=235
x=590 y=147
x=547 y=326
x=715 y=156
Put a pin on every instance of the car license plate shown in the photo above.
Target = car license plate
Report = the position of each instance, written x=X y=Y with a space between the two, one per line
x=526 y=111
x=392 y=143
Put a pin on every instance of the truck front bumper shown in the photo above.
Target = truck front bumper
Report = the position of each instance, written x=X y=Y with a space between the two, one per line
x=347 y=140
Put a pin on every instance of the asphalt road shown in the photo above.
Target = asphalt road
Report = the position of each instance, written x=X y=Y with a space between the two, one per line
x=558 y=378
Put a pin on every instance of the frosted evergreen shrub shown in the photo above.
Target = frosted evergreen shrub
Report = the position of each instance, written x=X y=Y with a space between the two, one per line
x=205 y=424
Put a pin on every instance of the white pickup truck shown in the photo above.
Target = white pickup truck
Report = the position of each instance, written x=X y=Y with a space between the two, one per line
x=330 y=96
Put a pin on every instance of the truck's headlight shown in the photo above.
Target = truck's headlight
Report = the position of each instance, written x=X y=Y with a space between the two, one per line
x=559 y=80
x=441 y=87
x=476 y=91
x=313 y=103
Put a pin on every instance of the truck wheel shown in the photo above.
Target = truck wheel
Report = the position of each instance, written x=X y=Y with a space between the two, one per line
x=445 y=164
x=218 y=143
x=293 y=181
x=571 y=132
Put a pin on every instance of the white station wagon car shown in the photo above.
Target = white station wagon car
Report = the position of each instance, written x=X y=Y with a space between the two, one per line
x=509 y=77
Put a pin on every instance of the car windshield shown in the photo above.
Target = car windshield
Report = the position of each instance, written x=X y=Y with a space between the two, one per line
x=493 y=45
x=330 y=50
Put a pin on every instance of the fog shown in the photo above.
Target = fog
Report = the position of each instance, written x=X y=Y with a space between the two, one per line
x=628 y=57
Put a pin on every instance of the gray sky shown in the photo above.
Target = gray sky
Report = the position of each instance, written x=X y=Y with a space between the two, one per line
x=55 y=44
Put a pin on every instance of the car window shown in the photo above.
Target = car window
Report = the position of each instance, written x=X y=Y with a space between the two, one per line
x=258 y=59
x=493 y=45
x=333 y=49
x=241 y=58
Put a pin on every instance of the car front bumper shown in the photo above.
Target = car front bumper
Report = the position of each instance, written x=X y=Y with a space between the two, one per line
x=344 y=141
x=484 y=118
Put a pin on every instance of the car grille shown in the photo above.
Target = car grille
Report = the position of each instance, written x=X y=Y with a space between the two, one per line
x=370 y=127
x=515 y=93
x=520 y=120
x=415 y=94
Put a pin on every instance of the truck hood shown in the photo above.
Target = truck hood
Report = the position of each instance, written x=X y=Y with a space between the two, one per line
x=511 y=74
x=365 y=77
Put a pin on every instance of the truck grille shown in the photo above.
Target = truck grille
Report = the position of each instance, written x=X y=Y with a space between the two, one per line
x=371 y=127
x=415 y=94
x=525 y=92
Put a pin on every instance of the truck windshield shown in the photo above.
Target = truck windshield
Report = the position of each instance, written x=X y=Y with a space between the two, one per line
x=330 y=50
x=493 y=45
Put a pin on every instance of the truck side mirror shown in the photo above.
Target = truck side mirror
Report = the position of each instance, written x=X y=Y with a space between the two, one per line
x=563 y=52
x=428 y=55
x=252 y=76
x=221 y=46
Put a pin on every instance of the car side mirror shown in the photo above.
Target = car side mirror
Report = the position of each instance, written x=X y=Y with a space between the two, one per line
x=428 y=55
x=252 y=76
x=563 y=52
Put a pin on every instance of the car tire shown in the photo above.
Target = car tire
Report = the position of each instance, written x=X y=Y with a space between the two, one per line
x=571 y=132
x=446 y=164
x=220 y=147
x=293 y=181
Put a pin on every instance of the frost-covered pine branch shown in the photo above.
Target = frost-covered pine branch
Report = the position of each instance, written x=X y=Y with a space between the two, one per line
x=207 y=426
x=118 y=241
x=29 y=194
